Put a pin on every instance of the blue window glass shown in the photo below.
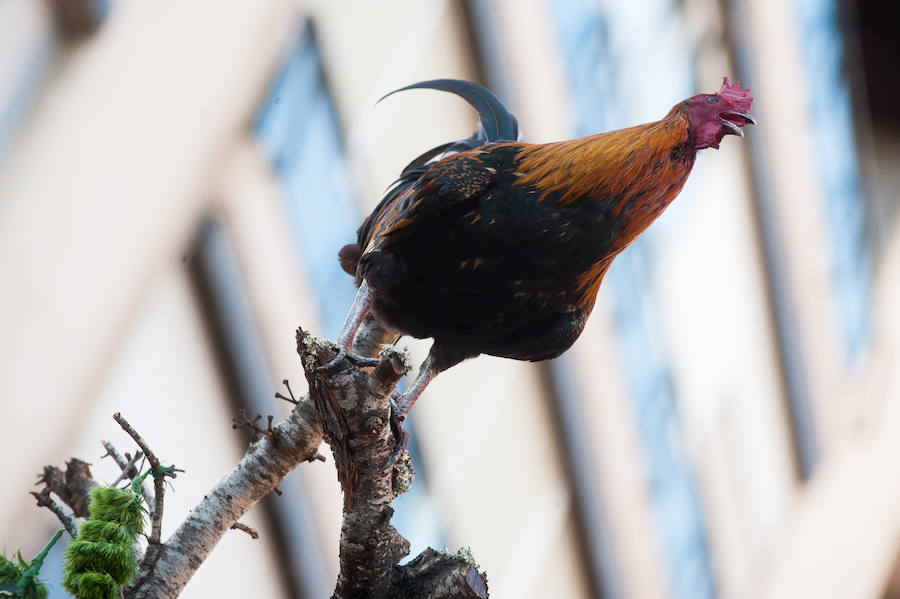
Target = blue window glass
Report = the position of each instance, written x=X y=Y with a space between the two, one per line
x=299 y=134
x=834 y=147
x=229 y=319
x=615 y=59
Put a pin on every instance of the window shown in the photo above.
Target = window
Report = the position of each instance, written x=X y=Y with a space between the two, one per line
x=834 y=144
x=879 y=45
x=246 y=376
x=612 y=80
x=299 y=134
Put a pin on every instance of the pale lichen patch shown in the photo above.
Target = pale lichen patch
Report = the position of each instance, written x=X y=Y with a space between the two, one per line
x=464 y=553
x=388 y=350
x=403 y=475
x=313 y=346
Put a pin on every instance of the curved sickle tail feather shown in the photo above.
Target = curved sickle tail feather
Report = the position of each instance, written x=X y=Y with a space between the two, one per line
x=495 y=123
x=495 y=119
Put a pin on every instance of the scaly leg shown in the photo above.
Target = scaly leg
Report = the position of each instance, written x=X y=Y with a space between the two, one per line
x=355 y=316
x=361 y=305
x=402 y=404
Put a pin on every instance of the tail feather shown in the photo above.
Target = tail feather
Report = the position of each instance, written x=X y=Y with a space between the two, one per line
x=497 y=123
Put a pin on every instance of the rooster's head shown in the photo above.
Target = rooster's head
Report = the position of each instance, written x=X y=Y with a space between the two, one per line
x=713 y=116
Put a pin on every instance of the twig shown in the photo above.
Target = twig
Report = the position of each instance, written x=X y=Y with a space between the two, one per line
x=238 y=526
x=290 y=399
x=242 y=421
x=159 y=488
x=123 y=465
x=73 y=486
x=113 y=453
x=151 y=457
x=355 y=408
x=44 y=500
x=128 y=469
x=263 y=466
x=318 y=457
x=27 y=579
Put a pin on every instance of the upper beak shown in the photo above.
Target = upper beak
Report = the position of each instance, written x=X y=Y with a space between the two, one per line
x=744 y=115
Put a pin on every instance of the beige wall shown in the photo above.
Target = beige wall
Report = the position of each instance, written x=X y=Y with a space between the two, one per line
x=139 y=131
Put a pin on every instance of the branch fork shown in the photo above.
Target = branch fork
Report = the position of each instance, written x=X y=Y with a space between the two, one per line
x=349 y=405
x=353 y=400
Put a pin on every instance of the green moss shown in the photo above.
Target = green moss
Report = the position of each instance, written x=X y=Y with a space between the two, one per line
x=91 y=584
x=103 y=558
x=19 y=578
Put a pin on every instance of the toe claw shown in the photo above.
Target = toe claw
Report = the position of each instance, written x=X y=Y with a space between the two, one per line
x=362 y=361
x=355 y=359
x=340 y=355
x=400 y=434
x=398 y=450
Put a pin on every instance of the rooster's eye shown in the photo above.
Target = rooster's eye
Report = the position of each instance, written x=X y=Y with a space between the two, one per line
x=712 y=99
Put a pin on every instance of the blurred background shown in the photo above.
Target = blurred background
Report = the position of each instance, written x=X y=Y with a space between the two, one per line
x=177 y=177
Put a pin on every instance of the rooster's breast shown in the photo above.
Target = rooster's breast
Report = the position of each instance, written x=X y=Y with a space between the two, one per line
x=490 y=266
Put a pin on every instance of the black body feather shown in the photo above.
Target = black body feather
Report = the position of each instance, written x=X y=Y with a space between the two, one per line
x=455 y=252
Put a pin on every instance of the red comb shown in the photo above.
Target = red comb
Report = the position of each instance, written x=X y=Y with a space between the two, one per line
x=739 y=98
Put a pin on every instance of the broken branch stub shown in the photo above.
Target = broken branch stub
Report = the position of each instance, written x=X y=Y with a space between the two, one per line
x=354 y=407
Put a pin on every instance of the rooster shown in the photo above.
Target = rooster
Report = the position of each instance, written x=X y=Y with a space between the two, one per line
x=490 y=245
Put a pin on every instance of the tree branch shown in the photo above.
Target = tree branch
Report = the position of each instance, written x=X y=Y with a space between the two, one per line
x=44 y=500
x=355 y=409
x=442 y=575
x=250 y=531
x=72 y=486
x=130 y=472
x=128 y=469
x=350 y=406
x=159 y=488
x=261 y=469
x=265 y=464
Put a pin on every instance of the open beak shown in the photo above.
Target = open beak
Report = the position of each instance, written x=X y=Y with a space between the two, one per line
x=733 y=121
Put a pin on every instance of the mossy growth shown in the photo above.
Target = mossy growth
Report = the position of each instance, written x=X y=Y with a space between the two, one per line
x=103 y=558
x=19 y=578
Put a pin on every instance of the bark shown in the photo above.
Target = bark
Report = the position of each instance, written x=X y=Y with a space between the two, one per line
x=73 y=485
x=355 y=409
x=350 y=406
x=264 y=465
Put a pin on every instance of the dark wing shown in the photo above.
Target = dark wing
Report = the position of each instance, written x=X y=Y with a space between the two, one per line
x=443 y=186
x=495 y=123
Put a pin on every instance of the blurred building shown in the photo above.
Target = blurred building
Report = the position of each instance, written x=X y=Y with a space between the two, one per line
x=176 y=179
